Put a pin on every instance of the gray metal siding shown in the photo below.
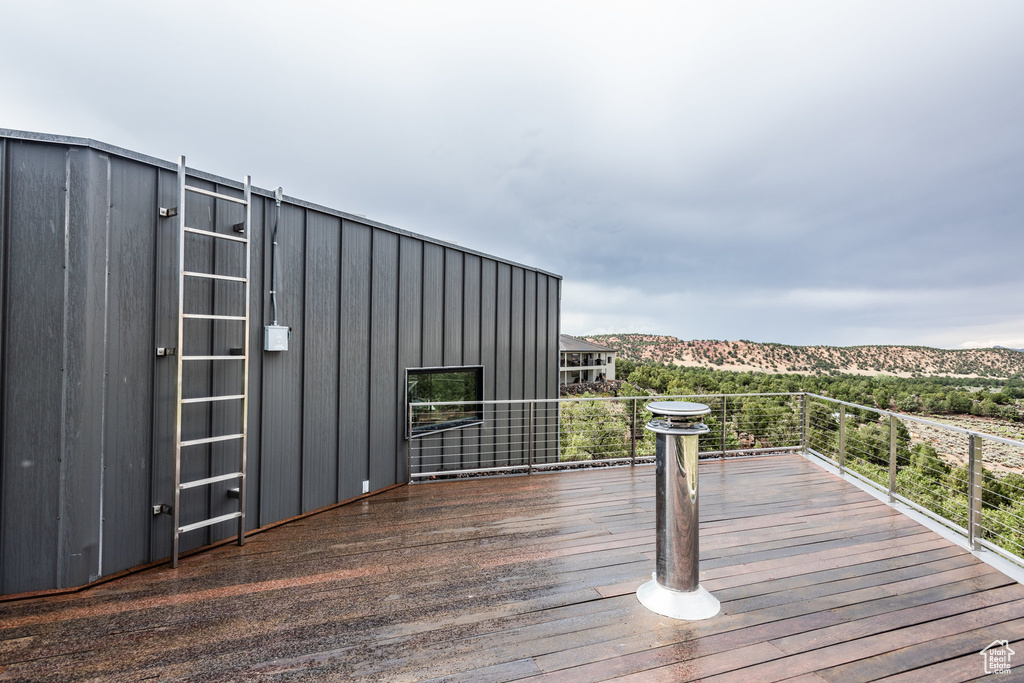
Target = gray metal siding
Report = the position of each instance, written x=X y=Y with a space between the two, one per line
x=356 y=254
x=384 y=419
x=321 y=351
x=488 y=346
x=471 y=347
x=410 y=338
x=433 y=305
x=281 y=429
x=33 y=366
x=128 y=426
x=164 y=369
x=85 y=294
x=88 y=289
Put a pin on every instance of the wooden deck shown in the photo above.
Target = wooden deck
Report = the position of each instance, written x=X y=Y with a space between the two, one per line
x=532 y=578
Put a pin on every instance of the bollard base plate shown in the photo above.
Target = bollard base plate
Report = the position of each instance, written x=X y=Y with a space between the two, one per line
x=691 y=606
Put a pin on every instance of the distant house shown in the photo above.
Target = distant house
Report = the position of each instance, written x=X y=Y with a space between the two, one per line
x=582 y=361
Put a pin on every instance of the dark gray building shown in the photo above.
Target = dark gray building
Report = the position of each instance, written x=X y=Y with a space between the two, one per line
x=90 y=350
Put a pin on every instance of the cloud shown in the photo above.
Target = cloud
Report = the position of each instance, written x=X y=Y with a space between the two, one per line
x=842 y=172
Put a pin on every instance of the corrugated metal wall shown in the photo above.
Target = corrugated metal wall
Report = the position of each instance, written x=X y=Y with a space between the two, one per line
x=88 y=290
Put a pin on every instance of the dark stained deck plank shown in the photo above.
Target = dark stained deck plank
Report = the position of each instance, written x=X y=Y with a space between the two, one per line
x=533 y=578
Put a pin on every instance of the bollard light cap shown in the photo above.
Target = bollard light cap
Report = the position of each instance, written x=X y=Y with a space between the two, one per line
x=677 y=408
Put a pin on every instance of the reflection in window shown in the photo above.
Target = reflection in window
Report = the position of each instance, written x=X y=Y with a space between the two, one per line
x=439 y=385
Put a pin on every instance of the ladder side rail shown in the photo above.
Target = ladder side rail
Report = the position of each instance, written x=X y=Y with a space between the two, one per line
x=176 y=506
x=244 y=445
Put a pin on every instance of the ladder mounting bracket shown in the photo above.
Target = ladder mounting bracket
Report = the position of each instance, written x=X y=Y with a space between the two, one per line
x=164 y=351
x=161 y=510
x=168 y=212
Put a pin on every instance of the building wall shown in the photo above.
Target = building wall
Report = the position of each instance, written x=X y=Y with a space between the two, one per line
x=88 y=290
x=598 y=363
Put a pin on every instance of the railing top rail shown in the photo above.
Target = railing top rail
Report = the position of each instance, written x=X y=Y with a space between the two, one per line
x=921 y=420
x=576 y=399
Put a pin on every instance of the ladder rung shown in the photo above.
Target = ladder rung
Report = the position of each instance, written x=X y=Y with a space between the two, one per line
x=214 y=357
x=215 y=276
x=209 y=480
x=211 y=439
x=219 y=235
x=208 y=522
x=210 y=399
x=216 y=195
x=210 y=316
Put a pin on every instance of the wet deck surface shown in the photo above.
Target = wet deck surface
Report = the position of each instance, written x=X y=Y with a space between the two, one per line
x=528 y=578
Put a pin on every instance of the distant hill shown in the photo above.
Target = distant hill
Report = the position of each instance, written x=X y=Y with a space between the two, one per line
x=902 y=361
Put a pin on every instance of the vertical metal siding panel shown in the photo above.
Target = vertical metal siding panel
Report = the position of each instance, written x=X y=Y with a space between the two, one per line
x=452 y=307
x=34 y=337
x=226 y=417
x=320 y=394
x=384 y=420
x=130 y=359
x=503 y=359
x=529 y=356
x=410 y=324
x=554 y=316
x=433 y=329
x=281 y=464
x=516 y=352
x=433 y=305
x=543 y=411
x=554 y=331
x=451 y=442
x=165 y=326
x=85 y=367
x=471 y=311
x=529 y=334
x=488 y=350
x=355 y=356
x=471 y=347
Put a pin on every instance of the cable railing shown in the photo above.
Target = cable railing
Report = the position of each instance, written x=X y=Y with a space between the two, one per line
x=965 y=480
x=568 y=433
x=960 y=478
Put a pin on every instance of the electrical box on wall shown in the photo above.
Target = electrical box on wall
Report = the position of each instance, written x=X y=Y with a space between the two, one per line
x=275 y=337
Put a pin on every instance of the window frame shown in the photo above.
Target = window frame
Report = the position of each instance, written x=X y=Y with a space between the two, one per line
x=477 y=419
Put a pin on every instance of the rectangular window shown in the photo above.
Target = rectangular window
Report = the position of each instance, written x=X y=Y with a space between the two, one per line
x=443 y=385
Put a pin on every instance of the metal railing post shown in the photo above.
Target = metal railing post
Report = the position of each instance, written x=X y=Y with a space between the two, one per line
x=632 y=430
x=531 y=438
x=805 y=434
x=892 y=458
x=409 y=452
x=725 y=402
x=975 y=479
x=841 y=455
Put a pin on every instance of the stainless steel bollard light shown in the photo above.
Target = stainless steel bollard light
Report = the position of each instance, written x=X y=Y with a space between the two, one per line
x=675 y=590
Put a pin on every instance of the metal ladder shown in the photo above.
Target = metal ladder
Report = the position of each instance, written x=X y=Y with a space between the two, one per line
x=242 y=398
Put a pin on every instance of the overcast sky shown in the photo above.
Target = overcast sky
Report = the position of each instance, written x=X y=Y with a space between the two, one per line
x=800 y=172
